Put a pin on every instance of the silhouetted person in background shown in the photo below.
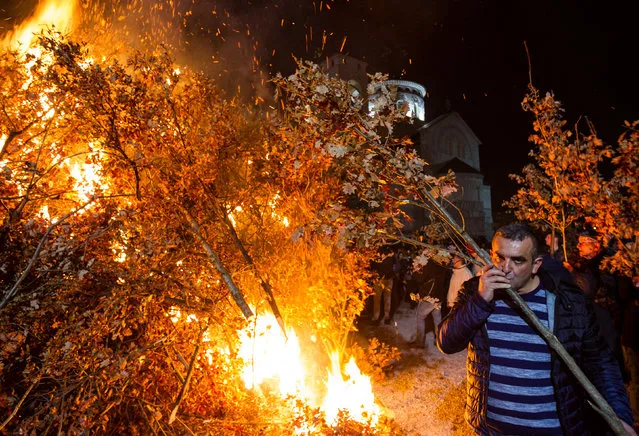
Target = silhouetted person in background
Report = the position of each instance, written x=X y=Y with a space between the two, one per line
x=630 y=340
x=431 y=281
x=601 y=287
x=383 y=288
x=554 y=248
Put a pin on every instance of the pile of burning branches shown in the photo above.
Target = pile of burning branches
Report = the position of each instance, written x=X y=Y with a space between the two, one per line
x=174 y=260
x=149 y=224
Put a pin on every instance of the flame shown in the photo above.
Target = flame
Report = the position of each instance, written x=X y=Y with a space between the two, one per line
x=270 y=357
x=44 y=213
x=353 y=394
x=59 y=14
x=3 y=141
x=88 y=179
x=273 y=204
x=56 y=13
x=119 y=250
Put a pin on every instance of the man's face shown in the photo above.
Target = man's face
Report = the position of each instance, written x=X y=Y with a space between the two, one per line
x=550 y=243
x=515 y=258
x=588 y=247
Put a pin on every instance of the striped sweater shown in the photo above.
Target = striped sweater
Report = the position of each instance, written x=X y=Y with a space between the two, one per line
x=521 y=397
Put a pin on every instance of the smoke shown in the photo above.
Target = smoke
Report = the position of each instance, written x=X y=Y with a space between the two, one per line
x=14 y=12
x=239 y=43
x=223 y=39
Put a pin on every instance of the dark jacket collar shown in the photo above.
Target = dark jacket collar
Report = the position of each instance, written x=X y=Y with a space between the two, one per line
x=548 y=280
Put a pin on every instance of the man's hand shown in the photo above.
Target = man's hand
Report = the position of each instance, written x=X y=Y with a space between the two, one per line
x=491 y=278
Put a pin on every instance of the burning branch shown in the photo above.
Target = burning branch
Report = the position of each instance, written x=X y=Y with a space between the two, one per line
x=266 y=285
x=187 y=379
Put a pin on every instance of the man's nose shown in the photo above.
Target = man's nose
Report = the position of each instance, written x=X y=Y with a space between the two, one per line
x=506 y=266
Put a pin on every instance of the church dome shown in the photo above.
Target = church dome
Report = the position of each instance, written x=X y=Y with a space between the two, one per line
x=408 y=96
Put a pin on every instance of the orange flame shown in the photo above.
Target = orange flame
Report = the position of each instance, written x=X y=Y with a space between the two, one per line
x=353 y=394
x=57 y=13
x=87 y=180
x=270 y=357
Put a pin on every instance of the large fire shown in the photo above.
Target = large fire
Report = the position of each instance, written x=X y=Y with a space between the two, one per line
x=273 y=362
x=61 y=15
x=270 y=359
x=352 y=393
x=270 y=356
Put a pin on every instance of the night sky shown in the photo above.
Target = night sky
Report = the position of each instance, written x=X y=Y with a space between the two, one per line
x=470 y=53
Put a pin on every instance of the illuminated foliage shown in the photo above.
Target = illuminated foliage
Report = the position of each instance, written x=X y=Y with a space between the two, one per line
x=564 y=185
x=134 y=191
x=616 y=216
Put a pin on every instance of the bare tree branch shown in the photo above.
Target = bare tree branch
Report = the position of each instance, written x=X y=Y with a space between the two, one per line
x=266 y=285
x=187 y=379
x=24 y=397
x=212 y=255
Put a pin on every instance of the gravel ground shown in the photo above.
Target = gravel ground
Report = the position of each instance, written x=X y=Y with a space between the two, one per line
x=425 y=391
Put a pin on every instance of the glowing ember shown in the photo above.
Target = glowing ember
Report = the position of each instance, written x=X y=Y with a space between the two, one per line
x=353 y=394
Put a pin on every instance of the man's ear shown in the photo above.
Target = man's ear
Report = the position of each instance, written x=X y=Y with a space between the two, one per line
x=536 y=264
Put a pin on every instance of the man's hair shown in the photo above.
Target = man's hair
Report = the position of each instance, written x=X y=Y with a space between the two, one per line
x=519 y=232
x=588 y=233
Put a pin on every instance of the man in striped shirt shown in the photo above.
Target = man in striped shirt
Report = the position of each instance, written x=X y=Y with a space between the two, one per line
x=516 y=386
x=520 y=392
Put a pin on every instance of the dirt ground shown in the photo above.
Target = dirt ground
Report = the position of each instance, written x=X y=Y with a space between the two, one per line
x=425 y=391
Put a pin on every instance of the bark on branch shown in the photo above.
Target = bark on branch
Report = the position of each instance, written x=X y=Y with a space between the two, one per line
x=187 y=379
x=226 y=276
x=266 y=285
x=24 y=397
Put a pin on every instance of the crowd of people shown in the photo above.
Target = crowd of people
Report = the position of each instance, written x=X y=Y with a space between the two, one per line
x=516 y=384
